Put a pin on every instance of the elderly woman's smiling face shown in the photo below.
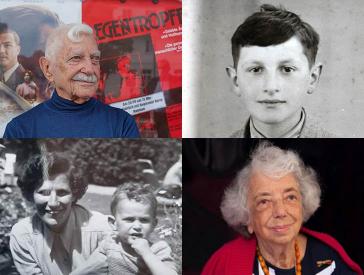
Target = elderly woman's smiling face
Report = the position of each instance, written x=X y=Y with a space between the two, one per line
x=53 y=200
x=275 y=206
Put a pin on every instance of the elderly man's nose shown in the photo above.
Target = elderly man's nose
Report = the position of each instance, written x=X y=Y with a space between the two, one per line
x=87 y=66
x=271 y=83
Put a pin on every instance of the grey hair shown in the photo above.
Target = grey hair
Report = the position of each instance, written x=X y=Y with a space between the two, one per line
x=273 y=162
x=73 y=32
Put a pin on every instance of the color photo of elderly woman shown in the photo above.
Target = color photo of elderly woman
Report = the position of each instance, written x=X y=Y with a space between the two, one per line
x=267 y=203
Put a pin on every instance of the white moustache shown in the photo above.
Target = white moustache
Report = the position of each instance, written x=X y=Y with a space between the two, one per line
x=85 y=78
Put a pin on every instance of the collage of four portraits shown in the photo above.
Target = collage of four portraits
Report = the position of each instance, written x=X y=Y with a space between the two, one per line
x=97 y=119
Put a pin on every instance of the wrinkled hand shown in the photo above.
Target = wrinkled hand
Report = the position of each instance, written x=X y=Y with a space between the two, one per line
x=141 y=246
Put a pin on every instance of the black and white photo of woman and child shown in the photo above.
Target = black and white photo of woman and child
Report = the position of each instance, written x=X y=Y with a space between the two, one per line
x=90 y=206
x=279 y=206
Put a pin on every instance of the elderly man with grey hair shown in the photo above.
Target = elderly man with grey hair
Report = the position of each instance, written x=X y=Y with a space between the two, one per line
x=72 y=66
x=267 y=204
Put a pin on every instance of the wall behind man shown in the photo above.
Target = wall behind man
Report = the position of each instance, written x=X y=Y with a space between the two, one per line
x=211 y=109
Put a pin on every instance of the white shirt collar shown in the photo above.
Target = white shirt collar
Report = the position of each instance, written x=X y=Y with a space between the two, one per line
x=9 y=72
x=295 y=132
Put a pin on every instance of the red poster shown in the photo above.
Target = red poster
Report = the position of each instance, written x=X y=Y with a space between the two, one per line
x=141 y=60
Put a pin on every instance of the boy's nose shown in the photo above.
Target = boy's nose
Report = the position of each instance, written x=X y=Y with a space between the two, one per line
x=271 y=83
x=137 y=225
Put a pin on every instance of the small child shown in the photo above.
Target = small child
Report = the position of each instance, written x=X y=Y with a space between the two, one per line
x=134 y=208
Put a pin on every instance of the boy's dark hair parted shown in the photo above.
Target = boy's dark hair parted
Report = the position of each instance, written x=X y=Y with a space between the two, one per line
x=134 y=191
x=273 y=26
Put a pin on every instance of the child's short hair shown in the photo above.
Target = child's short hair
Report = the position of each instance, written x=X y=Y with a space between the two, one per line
x=273 y=26
x=134 y=191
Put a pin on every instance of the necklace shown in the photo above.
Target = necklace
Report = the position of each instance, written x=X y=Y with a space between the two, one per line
x=298 y=262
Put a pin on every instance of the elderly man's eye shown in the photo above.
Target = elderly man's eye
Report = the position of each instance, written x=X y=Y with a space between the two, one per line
x=95 y=59
x=75 y=58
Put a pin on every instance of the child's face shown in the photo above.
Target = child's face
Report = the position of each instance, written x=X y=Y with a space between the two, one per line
x=274 y=80
x=133 y=220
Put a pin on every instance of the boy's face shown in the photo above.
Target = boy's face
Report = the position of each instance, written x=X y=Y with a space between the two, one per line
x=133 y=220
x=273 y=80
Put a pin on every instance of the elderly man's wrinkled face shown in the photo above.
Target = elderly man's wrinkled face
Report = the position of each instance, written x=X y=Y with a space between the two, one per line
x=275 y=205
x=9 y=51
x=53 y=200
x=76 y=69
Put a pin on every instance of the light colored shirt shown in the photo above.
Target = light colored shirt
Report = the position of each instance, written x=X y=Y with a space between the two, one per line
x=295 y=132
x=121 y=262
x=31 y=242
x=9 y=72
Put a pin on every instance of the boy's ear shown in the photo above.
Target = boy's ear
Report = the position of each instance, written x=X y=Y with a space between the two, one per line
x=314 y=77
x=45 y=65
x=232 y=74
x=111 y=221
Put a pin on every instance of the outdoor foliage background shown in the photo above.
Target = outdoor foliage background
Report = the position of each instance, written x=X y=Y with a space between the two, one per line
x=103 y=162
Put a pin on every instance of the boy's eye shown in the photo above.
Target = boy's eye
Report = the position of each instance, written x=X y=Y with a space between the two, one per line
x=287 y=69
x=256 y=70
x=144 y=220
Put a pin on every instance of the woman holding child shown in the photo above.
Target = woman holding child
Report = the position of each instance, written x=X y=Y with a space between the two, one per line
x=65 y=238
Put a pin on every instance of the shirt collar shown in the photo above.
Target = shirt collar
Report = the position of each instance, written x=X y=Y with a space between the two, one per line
x=66 y=234
x=295 y=132
x=8 y=73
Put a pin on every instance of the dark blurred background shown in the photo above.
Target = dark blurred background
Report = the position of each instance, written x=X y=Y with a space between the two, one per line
x=209 y=165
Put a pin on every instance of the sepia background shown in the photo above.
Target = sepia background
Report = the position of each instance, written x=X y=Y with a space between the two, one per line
x=210 y=107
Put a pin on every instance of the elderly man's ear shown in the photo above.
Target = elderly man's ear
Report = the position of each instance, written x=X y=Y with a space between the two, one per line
x=231 y=72
x=45 y=65
x=315 y=74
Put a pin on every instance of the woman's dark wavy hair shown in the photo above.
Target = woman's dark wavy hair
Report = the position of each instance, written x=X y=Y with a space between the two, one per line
x=273 y=26
x=48 y=165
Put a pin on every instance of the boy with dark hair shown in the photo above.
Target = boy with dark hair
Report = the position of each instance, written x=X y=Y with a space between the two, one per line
x=274 y=54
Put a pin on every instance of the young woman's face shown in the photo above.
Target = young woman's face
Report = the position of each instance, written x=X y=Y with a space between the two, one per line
x=133 y=220
x=53 y=200
x=273 y=80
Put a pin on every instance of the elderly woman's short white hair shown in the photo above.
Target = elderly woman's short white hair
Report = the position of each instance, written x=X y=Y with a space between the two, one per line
x=73 y=32
x=274 y=162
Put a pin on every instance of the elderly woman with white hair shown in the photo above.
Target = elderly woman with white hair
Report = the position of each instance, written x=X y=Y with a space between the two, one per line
x=270 y=199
